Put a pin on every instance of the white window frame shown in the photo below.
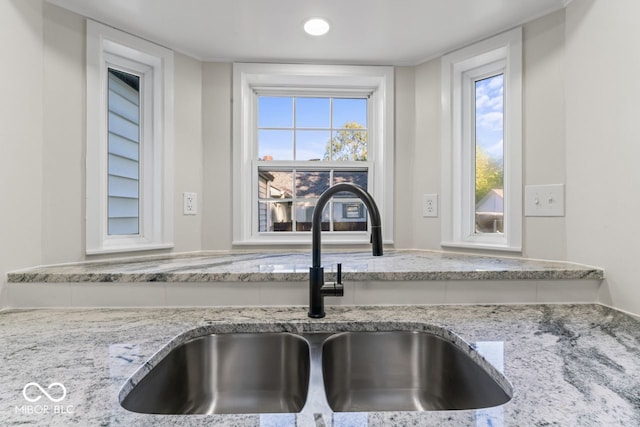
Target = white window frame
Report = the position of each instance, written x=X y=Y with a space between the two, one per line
x=460 y=70
x=108 y=47
x=251 y=80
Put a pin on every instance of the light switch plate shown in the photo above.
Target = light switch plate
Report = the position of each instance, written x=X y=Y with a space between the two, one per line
x=544 y=200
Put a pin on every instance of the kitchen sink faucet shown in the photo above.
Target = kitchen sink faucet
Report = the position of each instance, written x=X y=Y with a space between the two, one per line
x=317 y=288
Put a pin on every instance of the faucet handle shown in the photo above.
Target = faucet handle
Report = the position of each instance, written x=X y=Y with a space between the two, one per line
x=334 y=289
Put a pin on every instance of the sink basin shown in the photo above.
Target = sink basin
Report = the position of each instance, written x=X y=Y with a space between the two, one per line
x=227 y=374
x=404 y=371
x=242 y=373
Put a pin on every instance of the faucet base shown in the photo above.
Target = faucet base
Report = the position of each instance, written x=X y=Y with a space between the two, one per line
x=316 y=301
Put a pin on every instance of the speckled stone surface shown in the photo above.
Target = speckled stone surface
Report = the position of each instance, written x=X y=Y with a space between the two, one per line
x=569 y=365
x=294 y=266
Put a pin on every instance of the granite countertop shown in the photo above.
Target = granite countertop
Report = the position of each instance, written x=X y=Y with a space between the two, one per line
x=294 y=266
x=569 y=365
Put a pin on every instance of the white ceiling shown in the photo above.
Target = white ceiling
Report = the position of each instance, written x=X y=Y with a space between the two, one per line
x=381 y=32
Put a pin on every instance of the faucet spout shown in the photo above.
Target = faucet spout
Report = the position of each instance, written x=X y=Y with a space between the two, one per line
x=316 y=272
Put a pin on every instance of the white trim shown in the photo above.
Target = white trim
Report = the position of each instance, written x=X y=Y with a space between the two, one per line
x=251 y=79
x=500 y=53
x=105 y=46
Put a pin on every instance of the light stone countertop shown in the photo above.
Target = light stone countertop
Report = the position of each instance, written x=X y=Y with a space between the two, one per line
x=261 y=266
x=569 y=365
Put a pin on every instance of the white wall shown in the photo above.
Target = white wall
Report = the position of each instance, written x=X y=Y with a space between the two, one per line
x=404 y=159
x=21 y=118
x=603 y=144
x=425 y=153
x=188 y=151
x=544 y=129
x=216 y=132
x=63 y=140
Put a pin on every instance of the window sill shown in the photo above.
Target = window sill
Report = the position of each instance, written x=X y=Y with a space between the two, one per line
x=299 y=239
x=136 y=248
x=484 y=246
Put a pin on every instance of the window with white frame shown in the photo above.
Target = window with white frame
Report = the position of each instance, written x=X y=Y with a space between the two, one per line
x=482 y=144
x=300 y=129
x=129 y=142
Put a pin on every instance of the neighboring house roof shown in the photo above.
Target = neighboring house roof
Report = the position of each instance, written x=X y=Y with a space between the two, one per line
x=493 y=201
x=308 y=184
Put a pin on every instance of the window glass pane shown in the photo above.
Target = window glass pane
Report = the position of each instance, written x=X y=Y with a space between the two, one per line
x=489 y=150
x=124 y=98
x=354 y=177
x=312 y=145
x=123 y=127
x=123 y=187
x=349 y=145
x=346 y=110
x=275 y=112
x=123 y=147
x=304 y=216
x=121 y=207
x=119 y=166
x=313 y=113
x=274 y=216
x=349 y=216
x=311 y=184
x=275 y=145
x=275 y=184
x=123 y=226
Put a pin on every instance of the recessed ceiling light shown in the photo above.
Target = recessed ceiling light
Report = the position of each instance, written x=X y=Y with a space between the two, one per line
x=316 y=27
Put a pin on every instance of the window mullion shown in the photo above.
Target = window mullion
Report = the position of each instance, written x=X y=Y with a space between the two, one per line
x=294 y=200
x=295 y=130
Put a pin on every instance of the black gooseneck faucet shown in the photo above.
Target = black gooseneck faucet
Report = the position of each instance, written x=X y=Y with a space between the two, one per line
x=317 y=288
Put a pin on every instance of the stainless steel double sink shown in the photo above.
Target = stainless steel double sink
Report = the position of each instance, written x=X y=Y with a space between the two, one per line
x=341 y=372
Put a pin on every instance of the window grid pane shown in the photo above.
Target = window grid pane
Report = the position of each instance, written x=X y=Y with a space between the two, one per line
x=312 y=128
x=489 y=154
x=287 y=198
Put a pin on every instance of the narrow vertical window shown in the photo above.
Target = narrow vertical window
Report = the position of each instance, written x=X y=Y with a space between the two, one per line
x=489 y=154
x=129 y=199
x=482 y=144
x=124 y=153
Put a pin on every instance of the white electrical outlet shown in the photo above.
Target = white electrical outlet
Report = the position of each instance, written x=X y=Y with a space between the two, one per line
x=430 y=205
x=190 y=203
x=544 y=200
